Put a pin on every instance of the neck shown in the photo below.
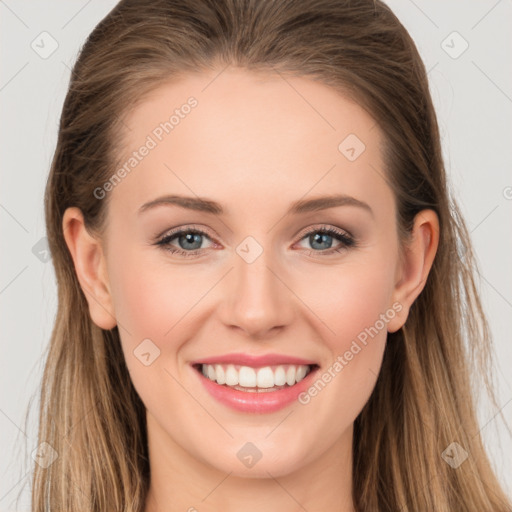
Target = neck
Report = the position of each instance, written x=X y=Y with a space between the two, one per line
x=181 y=482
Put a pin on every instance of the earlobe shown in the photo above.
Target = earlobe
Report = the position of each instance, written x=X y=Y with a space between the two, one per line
x=90 y=267
x=415 y=265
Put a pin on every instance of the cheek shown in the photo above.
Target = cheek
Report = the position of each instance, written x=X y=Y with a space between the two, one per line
x=153 y=302
x=354 y=308
x=364 y=296
x=350 y=298
x=150 y=299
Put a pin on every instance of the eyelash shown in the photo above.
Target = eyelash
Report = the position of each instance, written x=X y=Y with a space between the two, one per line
x=346 y=240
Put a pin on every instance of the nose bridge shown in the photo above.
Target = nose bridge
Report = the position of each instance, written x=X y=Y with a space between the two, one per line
x=257 y=300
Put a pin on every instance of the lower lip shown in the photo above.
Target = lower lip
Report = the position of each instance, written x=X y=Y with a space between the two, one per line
x=256 y=402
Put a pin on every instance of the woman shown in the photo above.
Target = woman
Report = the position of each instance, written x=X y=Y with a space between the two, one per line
x=307 y=351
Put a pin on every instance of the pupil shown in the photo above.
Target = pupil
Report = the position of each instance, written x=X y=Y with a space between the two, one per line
x=190 y=239
x=318 y=236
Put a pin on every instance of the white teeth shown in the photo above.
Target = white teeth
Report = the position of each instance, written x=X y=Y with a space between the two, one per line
x=231 y=375
x=265 y=377
x=220 y=374
x=301 y=372
x=280 y=376
x=290 y=376
x=245 y=376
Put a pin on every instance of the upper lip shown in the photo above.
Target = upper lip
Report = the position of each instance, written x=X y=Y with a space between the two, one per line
x=255 y=361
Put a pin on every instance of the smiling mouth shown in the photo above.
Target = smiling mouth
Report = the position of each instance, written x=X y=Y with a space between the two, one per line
x=255 y=380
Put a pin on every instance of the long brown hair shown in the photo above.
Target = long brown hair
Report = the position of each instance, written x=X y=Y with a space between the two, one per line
x=90 y=412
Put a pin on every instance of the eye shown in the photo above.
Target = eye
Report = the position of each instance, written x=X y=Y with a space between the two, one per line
x=190 y=240
x=322 y=239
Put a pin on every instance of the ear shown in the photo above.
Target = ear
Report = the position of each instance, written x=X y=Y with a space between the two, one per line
x=90 y=266
x=415 y=264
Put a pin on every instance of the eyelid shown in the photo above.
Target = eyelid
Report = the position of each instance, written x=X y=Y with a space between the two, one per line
x=186 y=227
x=319 y=227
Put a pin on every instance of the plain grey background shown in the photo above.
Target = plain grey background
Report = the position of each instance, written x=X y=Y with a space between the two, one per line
x=464 y=47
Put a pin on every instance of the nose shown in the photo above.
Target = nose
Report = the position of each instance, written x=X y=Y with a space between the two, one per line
x=257 y=299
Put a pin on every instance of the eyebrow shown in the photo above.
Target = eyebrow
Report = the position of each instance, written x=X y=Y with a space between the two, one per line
x=298 y=207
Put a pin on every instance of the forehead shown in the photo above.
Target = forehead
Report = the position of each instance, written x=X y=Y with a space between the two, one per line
x=244 y=136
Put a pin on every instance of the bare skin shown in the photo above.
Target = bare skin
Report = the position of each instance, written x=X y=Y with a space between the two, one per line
x=254 y=145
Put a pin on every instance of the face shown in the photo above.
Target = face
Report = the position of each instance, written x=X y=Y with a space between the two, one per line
x=263 y=277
